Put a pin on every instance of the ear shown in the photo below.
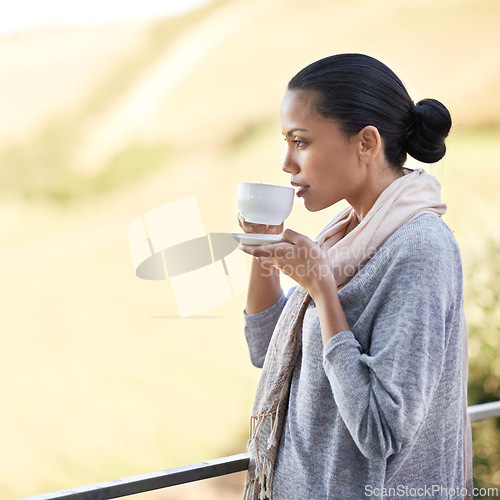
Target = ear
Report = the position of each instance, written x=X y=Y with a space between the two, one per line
x=370 y=143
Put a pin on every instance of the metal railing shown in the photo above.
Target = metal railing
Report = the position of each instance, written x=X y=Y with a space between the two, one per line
x=195 y=472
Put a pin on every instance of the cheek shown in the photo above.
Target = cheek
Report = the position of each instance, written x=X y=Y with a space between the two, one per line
x=336 y=177
x=330 y=169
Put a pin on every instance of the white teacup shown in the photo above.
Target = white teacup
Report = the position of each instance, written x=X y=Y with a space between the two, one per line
x=265 y=203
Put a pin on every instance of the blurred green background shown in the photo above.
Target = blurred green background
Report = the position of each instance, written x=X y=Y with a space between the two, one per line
x=99 y=378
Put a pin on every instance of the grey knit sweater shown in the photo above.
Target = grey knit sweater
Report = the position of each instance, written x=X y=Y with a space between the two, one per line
x=377 y=412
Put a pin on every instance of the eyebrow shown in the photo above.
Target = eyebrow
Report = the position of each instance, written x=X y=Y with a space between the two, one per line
x=293 y=130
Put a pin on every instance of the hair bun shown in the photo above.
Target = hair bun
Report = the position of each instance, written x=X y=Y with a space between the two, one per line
x=431 y=125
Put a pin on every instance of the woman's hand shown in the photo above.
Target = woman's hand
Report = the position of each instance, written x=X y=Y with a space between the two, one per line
x=249 y=227
x=305 y=262
x=298 y=257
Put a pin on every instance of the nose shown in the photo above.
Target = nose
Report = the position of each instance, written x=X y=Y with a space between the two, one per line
x=289 y=164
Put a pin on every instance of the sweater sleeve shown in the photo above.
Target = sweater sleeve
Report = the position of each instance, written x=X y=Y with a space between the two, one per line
x=259 y=328
x=383 y=394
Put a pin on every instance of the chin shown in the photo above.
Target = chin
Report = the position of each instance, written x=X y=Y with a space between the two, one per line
x=315 y=207
x=312 y=207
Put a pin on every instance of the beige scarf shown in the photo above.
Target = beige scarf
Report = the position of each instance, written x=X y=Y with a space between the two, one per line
x=349 y=243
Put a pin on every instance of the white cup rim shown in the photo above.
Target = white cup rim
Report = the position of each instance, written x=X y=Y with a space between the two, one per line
x=267 y=184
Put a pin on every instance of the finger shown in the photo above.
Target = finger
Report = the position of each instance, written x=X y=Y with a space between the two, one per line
x=253 y=227
x=280 y=250
x=256 y=250
x=249 y=249
x=243 y=222
x=264 y=251
x=294 y=237
x=250 y=227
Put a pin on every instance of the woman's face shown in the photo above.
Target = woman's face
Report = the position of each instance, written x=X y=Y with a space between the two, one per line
x=322 y=162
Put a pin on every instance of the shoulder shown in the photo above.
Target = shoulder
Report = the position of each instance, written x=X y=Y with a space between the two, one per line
x=425 y=237
x=423 y=249
x=419 y=262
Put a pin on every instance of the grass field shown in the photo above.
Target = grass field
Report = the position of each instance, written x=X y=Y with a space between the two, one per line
x=99 y=377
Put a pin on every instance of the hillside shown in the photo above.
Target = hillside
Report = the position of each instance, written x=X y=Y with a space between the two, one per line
x=206 y=80
x=100 y=377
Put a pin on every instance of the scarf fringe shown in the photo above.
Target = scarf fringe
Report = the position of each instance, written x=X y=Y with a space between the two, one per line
x=260 y=473
x=248 y=493
x=273 y=439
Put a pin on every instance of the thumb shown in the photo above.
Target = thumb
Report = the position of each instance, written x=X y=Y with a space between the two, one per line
x=292 y=236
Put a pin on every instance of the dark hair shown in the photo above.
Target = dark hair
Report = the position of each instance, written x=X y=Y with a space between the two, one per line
x=356 y=90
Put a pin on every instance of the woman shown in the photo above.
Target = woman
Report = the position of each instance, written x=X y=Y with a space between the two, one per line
x=363 y=388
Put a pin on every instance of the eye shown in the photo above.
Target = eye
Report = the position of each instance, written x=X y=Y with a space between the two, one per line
x=299 y=143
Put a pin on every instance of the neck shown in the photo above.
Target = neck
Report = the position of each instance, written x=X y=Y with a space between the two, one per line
x=372 y=187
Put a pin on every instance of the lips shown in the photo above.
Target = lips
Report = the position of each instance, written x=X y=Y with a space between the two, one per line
x=300 y=189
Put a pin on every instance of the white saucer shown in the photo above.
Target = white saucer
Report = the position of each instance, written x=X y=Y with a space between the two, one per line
x=256 y=239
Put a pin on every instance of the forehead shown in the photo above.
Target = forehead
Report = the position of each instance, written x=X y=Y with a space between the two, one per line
x=298 y=112
x=298 y=104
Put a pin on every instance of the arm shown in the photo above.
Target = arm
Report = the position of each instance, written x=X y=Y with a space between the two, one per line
x=331 y=315
x=265 y=299
x=259 y=328
x=383 y=395
x=264 y=288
